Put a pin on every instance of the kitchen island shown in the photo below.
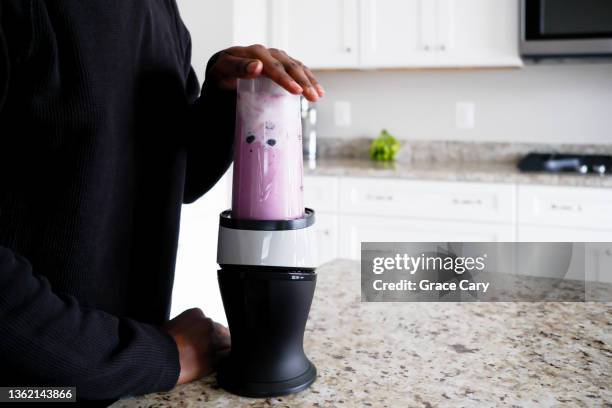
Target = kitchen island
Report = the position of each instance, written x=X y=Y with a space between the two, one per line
x=435 y=354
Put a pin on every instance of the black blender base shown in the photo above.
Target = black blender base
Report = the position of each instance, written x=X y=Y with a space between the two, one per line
x=231 y=381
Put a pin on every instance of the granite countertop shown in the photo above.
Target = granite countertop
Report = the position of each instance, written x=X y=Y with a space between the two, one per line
x=480 y=171
x=436 y=354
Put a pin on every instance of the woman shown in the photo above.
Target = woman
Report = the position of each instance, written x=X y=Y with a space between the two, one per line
x=104 y=133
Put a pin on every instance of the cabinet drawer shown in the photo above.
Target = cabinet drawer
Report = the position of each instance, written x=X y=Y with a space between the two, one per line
x=428 y=199
x=357 y=229
x=565 y=206
x=538 y=233
x=321 y=193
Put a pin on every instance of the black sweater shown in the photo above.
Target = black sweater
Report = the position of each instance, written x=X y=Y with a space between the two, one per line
x=103 y=135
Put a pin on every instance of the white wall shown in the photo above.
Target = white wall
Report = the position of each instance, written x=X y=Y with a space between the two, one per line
x=549 y=103
x=218 y=24
x=209 y=22
x=195 y=283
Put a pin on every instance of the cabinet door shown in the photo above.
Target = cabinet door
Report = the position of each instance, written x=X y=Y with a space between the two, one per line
x=600 y=267
x=599 y=253
x=477 y=33
x=536 y=233
x=398 y=33
x=562 y=206
x=357 y=229
x=320 y=33
x=321 y=194
x=326 y=227
x=436 y=200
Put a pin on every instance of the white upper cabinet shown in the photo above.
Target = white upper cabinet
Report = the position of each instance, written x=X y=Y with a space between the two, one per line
x=477 y=33
x=321 y=33
x=397 y=33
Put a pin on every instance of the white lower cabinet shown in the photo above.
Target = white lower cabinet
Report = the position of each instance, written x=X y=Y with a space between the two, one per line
x=598 y=255
x=392 y=210
x=434 y=200
x=321 y=194
x=570 y=207
x=326 y=227
x=357 y=229
x=599 y=262
x=352 y=210
x=545 y=233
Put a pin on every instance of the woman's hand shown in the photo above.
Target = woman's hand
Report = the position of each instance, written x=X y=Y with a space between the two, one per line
x=255 y=60
x=200 y=343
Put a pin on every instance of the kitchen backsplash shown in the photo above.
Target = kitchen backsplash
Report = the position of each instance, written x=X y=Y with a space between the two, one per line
x=553 y=103
x=452 y=151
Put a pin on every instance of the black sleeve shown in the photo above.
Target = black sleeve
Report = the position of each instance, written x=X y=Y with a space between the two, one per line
x=210 y=136
x=50 y=340
x=4 y=64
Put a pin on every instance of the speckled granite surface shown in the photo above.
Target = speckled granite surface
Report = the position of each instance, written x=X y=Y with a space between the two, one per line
x=452 y=151
x=436 y=354
x=491 y=172
x=451 y=161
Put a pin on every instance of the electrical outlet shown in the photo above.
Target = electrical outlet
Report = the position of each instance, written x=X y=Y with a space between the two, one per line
x=465 y=115
x=342 y=113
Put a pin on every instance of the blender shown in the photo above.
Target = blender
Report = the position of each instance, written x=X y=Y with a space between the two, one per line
x=266 y=249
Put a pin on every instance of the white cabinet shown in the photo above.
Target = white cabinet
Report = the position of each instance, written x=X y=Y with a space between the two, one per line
x=351 y=210
x=598 y=260
x=397 y=33
x=545 y=233
x=357 y=34
x=321 y=33
x=326 y=227
x=354 y=210
x=387 y=210
x=576 y=207
x=570 y=214
x=439 y=33
x=462 y=201
x=357 y=229
x=477 y=33
x=321 y=194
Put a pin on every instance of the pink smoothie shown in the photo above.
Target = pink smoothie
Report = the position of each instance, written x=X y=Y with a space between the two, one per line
x=268 y=168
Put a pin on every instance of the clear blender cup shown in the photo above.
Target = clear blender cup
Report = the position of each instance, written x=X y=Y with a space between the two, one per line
x=268 y=167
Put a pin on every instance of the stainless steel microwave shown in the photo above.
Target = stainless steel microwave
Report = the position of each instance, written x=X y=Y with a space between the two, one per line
x=566 y=28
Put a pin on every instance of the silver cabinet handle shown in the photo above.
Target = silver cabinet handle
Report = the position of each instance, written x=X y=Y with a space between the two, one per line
x=459 y=201
x=566 y=207
x=378 y=197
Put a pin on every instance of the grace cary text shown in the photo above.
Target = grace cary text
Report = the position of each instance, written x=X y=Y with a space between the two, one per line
x=425 y=285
